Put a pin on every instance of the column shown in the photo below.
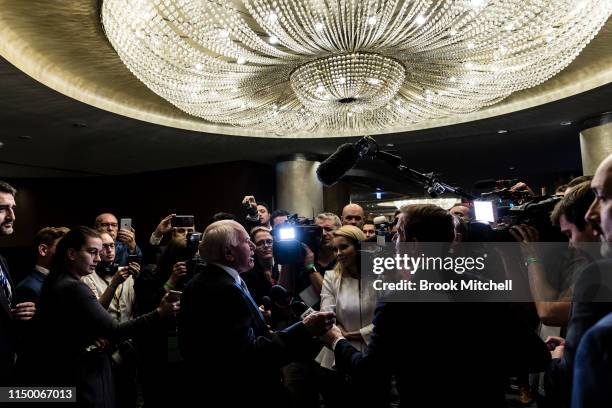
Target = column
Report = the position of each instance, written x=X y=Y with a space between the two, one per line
x=595 y=142
x=297 y=188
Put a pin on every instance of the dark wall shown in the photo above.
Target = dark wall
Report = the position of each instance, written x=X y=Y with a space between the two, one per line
x=145 y=197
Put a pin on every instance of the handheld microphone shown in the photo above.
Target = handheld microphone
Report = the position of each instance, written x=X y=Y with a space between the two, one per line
x=266 y=302
x=335 y=166
x=301 y=309
x=280 y=296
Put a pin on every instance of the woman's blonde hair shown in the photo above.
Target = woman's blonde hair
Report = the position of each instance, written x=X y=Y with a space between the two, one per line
x=353 y=234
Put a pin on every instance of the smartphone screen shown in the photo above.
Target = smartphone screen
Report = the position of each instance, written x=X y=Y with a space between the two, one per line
x=183 y=221
x=125 y=223
x=484 y=211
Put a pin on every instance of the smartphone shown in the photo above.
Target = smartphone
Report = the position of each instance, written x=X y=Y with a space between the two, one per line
x=182 y=221
x=133 y=258
x=125 y=223
x=174 y=296
x=484 y=211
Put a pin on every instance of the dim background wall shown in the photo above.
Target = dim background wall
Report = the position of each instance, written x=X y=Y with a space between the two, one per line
x=146 y=198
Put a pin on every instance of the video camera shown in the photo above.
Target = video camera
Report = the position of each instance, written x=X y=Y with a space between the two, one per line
x=498 y=210
x=289 y=237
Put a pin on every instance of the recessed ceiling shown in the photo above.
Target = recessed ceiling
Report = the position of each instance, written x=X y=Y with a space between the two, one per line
x=62 y=45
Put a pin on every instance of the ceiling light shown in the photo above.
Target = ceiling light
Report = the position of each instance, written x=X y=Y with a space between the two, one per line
x=565 y=123
x=500 y=131
x=1 y=145
x=478 y=67
x=390 y=145
x=420 y=19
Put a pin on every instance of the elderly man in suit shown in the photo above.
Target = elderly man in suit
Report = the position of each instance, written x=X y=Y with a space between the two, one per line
x=223 y=333
x=9 y=311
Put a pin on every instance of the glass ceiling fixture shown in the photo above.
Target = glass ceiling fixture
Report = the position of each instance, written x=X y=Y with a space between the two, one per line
x=345 y=65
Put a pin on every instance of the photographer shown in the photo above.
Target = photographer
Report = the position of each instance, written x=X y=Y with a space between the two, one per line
x=125 y=240
x=258 y=214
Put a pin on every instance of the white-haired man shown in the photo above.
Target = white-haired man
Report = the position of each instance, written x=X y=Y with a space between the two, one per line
x=222 y=331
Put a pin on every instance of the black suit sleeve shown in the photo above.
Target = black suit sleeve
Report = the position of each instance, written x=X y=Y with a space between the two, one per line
x=218 y=324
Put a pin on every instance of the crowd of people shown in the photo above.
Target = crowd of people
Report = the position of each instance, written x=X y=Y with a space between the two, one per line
x=212 y=319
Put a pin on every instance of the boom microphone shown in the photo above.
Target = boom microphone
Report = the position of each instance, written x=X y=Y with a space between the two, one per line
x=335 y=166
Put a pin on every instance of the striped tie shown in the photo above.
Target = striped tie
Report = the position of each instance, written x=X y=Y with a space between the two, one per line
x=6 y=287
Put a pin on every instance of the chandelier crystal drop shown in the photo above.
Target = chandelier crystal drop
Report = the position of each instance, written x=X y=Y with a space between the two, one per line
x=346 y=66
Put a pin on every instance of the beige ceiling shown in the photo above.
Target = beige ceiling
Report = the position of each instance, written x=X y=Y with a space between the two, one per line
x=61 y=44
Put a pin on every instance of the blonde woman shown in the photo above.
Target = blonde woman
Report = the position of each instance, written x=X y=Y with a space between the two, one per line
x=354 y=307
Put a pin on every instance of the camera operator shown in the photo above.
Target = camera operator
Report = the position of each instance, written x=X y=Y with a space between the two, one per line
x=309 y=274
x=258 y=214
x=278 y=217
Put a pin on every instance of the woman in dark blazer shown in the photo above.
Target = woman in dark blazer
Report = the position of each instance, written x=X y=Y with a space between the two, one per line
x=74 y=329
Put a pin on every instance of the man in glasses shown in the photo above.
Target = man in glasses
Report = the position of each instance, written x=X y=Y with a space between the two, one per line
x=125 y=240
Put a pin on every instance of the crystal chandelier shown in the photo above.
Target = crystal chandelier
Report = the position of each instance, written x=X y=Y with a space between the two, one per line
x=285 y=66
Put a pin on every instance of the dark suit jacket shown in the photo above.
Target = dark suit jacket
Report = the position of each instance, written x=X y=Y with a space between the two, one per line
x=222 y=334
x=592 y=301
x=29 y=288
x=446 y=354
x=7 y=332
x=593 y=367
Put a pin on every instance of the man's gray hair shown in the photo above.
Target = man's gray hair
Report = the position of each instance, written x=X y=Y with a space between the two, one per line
x=217 y=236
x=329 y=216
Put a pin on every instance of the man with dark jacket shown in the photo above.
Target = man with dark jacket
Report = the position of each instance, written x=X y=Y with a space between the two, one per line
x=45 y=242
x=10 y=312
x=442 y=354
x=222 y=331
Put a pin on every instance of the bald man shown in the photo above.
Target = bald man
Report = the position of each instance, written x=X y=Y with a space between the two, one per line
x=125 y=240
x=352 y=214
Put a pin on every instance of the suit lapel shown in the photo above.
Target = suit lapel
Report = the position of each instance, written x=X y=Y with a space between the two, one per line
x=3 y=299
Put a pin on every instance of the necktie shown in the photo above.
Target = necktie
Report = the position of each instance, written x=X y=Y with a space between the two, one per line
x=6 y=287
x=245 y=289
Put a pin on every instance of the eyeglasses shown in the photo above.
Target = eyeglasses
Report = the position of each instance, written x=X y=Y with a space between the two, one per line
x=263 y=242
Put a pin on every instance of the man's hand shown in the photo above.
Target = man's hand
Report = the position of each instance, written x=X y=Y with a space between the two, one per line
x=319 y=322
x=178 y=271
x=134 y=269
x=309 y=257
x=102 y=344
x=250 y=200
x=522 y=187
x=164 y=226
x=526 y=236
x=120 y=276
x=331 y=335
x=128 y=237
x=166 y=308
x=23 y=311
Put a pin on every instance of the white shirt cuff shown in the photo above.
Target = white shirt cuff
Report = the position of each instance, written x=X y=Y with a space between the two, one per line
x=333 y=346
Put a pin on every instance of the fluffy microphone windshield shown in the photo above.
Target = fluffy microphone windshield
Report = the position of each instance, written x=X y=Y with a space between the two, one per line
x=335 y=166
